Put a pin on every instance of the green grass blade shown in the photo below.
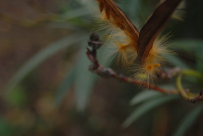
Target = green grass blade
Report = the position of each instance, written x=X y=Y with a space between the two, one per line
x=40 y=57
x=145 y=107
x=188 y=121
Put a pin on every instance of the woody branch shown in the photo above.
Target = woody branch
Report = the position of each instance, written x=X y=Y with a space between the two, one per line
x=95 y=43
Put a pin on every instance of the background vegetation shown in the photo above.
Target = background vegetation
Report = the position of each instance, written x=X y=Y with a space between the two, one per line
x=47 y=90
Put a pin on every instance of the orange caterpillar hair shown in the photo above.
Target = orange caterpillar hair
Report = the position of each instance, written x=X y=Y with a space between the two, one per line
x=126 y=36
x=145 y=46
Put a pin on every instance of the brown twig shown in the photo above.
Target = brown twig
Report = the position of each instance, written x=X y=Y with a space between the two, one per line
x=169 y=73
x=185 y=92
x=95 y=67
x=197 y=98
x=95 y=43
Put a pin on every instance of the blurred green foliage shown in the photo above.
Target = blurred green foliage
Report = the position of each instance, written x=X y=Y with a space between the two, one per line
x=76 y=102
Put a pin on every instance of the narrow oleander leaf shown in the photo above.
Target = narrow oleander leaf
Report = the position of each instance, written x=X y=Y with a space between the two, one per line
x=188 y=121
x=64 y=87
x=65 y=25
x=84 y=81
x=153 y=26
x=144 y=96
x=199 y=58
x=176 y=61
x=41 y=56
x=145 y=107
x=72 y=14
x=193 y=49
x=187 y=45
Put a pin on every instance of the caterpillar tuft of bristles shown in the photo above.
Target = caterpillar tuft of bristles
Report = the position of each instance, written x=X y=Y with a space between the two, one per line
x=155 y=59
x=142 y=49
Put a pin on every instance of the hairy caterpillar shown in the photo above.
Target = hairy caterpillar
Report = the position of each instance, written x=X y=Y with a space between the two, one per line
x=143 y=48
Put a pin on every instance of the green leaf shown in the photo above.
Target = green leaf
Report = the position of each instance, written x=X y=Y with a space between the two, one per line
x=72 y=14
x=176 y=61
x=192 y=48
x=144 y=96
x=64 y=86
x=41 y=56
x=88 y=4
x=189 y=45
x=188 y=121
x=145 y=107
x=65 y=25
x=199 y=58
x=84 y=81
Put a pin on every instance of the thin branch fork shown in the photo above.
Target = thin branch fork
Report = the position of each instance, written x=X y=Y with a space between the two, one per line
x=95 y=67
x=95 y=43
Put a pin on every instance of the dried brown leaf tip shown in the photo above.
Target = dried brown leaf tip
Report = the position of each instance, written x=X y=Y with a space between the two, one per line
x=131 y=45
